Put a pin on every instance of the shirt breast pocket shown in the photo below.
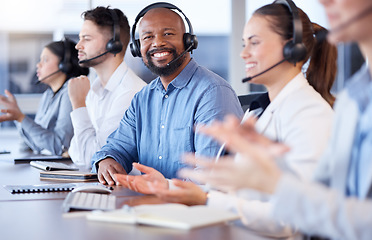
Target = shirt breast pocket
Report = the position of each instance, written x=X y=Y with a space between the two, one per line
x=182 y=139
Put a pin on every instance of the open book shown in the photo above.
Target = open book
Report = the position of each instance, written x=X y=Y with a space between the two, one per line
x=166 y=215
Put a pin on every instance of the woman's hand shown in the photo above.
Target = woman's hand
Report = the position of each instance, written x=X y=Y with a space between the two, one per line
x=11 y=111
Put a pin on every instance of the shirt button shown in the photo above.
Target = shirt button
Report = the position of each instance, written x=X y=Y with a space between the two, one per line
x=162 y=126
x=160 y=157
x=166 y=96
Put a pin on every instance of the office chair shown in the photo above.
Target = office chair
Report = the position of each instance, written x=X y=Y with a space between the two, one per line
x=245 y=100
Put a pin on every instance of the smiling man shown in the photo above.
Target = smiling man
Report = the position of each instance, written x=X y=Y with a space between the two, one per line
x=158 y=126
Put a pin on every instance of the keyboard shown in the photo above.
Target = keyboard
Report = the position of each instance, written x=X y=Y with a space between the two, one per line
x=89 y=201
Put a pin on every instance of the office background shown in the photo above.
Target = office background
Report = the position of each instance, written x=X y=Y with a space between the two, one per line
x=27 y=26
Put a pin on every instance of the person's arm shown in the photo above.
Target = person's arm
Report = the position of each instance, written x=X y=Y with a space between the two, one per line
x=56 y=139
x=78 y=89
x=254 y=214
x=121 y=144
x=218 y=102
x=87 y=140
x=84 y=140
x=318 y=210
x=306 y=129
x=312 y=207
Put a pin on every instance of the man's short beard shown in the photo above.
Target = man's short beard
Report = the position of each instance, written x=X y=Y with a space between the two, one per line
x=93 y=62
x=168 y=69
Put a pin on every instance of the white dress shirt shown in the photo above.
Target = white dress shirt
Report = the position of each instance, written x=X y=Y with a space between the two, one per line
x=300 y=118
x=105 y=106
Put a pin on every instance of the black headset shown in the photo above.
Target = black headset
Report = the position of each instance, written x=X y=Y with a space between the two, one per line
x=115 y=45
x=189 y=39
x=294 y=51
x=65 y=66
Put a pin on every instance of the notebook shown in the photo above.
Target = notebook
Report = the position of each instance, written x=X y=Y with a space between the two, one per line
x=27 y=159
x=53 y=166
x=40 y=188
x=3 y=151
x=170 y=215
x=69 y=176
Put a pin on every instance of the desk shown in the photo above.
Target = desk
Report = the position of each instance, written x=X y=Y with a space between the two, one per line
x=39 y=215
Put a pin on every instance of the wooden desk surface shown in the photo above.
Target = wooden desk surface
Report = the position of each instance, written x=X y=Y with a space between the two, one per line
x=40 y=216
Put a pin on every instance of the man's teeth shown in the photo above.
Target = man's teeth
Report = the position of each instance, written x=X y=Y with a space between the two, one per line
x=161 y=54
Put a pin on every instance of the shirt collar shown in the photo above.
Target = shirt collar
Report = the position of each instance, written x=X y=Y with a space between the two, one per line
x=53 y=94
x=114 y=80
x=181 y=80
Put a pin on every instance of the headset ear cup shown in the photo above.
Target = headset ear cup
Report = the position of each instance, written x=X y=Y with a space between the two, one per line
x=190 y=40
x=114 y=46
x=294 y=53
x=299 y=52
x=195 y=42
x=135 y=48
x=65 y=67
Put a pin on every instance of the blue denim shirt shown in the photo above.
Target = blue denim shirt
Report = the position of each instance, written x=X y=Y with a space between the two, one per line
x=360 y=89
x=158 y=127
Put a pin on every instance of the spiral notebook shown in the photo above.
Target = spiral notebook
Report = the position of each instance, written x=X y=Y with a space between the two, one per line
x=40 y=188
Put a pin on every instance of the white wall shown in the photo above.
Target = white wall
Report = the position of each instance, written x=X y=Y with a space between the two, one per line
x=210 y=16
x=312 y=8
x=207 y=17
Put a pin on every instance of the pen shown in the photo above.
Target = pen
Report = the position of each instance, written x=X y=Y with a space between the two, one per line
x=4 y=152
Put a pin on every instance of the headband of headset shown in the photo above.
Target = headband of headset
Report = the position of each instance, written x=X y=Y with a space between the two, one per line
x=115 y=45
x=65 y=66
x=190 y=40
x=294 y=51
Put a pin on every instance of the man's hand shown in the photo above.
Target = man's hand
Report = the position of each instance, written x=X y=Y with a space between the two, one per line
x=141 y=183
x=187 y=193
x=107 y=169
x=78 y=89
x=12 y=110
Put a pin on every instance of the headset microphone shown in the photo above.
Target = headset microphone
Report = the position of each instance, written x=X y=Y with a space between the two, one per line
x=59 y=70
x=259 y=74
x=90 y=59
x=176 y=59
